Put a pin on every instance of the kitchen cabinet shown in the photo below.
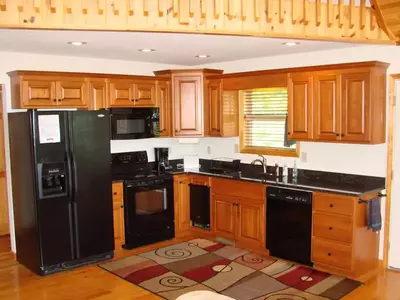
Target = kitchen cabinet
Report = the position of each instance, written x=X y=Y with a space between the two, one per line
x=341 y=241
x=326 y=107
x=98 y=93
x=189 y=107
x=4 y=224
x=38 y=91
x=239 y=212
x=182 y=203
x=299 y=106
x=356 y=106
x=118 y=212
x=344 y=104
x=164 y=101
x=130 y=93
x=221 y=110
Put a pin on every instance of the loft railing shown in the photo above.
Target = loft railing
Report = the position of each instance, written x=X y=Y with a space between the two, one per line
x=303 y=19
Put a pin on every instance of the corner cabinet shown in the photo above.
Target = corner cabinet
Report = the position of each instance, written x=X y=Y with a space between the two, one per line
x=189 y=90
x=345 y=104
x=164 y=101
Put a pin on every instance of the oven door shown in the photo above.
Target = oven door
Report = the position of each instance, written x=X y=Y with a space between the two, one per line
x=134 y=123
x=149 y=209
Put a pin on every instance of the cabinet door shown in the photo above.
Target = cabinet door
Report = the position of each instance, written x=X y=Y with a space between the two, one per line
x=299 y=104
x=164 y=101
x=188 y=105
x=224 y=216
x=119 y=230
x=213 y=108
x=121 y=93
x=72 y=92
x=38 y=93
x=97 y=94
x=356 y=107
x=251 y=222
x=182 y=203
x=326 y=108
x=145 y=94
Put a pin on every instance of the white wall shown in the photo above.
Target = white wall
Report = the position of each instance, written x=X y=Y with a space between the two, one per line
x=22 y=61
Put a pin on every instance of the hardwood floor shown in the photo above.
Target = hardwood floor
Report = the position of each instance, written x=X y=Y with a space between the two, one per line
x=92 y=282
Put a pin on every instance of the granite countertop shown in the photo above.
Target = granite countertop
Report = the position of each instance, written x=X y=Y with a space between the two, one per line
x=356 y=186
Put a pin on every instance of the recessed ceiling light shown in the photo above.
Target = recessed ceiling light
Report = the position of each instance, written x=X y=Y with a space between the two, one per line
x=290 y=44
x=202 y=56
x=77 y=43
x=146 y=50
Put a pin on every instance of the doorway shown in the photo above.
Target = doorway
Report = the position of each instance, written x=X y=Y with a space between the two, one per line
x=4 y=225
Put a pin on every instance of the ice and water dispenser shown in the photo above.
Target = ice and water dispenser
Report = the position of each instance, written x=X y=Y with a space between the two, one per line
x=52 y=180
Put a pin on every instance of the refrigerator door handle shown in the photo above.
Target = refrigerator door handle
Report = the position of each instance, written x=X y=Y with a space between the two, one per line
x=78 y=254
x=69 y=183
x=71 y=229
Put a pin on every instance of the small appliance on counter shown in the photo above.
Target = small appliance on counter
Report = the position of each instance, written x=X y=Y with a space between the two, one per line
x=162 y=160
x=134 y=123
x=148 y=199
x=225 y=166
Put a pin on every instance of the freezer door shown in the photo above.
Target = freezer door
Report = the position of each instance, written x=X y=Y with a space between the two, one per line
x=54 y=213
x=89 y=144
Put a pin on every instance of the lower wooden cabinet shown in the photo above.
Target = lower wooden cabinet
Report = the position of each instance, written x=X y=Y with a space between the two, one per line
x=181 y=203
x=118 y=212
x=341 y=241
x=224 y=216
x=251 y=222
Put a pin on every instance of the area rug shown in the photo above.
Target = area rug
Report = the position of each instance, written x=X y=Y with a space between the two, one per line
x=201 y=264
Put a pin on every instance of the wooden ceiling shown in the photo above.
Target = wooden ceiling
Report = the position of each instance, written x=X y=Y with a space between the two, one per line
x=388 y=16
x=298 y=19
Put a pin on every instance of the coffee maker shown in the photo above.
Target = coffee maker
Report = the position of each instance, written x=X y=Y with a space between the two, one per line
x=162 y=161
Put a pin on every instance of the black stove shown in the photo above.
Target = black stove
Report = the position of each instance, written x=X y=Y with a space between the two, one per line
x=148 y=199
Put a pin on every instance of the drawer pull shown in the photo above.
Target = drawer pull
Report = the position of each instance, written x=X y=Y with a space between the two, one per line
x=330 y=228
x=330 y=205
x=329 y=254
x=115 y=193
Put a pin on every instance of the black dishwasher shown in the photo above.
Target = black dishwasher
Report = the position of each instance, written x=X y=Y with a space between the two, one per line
x=289 y=219
x=200 y=206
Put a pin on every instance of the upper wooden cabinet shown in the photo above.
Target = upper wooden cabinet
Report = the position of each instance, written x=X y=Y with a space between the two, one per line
x=344 y=103
x=34 y=90
x=129 y=93
x=189 y=108
x=299 y=106
x=221 y=111
x=98 y=93
x=164 y=101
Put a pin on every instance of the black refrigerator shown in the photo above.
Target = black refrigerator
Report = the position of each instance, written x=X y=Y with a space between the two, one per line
x=61 y=187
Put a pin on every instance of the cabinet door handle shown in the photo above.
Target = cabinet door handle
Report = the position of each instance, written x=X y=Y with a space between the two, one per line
x=122 y=206
x=342 y=134
x=329 y=254
x=115 y=193
x=54 y=100
x=330 y=228
x=132 y=100
x=59 y=100
x=337 y=134
x=330 y=205
x=288 y=133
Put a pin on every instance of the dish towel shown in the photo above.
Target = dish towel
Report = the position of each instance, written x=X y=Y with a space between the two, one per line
x=374 y=214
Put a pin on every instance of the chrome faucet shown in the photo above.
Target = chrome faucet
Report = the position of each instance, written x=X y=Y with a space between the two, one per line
x=263 y=162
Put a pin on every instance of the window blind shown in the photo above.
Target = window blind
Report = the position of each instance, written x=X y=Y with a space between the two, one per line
x=265 y=118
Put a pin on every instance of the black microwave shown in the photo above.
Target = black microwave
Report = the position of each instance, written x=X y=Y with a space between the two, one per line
x=134 y=123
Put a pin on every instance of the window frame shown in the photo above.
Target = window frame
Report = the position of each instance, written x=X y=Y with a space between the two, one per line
x=294 y=152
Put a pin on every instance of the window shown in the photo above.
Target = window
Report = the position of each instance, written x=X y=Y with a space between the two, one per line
x=263 y=122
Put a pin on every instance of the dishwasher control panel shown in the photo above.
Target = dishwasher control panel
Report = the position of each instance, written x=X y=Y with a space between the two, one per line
x=289 y=195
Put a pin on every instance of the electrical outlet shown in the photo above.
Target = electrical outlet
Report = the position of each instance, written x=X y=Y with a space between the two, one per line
x=208 y=149
x=304 y=157
x=236 y=148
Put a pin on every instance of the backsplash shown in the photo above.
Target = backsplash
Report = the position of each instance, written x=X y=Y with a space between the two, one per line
x=328 y=157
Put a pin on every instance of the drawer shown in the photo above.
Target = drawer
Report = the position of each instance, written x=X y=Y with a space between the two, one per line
x=336 y=204
x=331 y=253
x=200 y=180
x=117 y=191
x=333 y=227
x=238 y=189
